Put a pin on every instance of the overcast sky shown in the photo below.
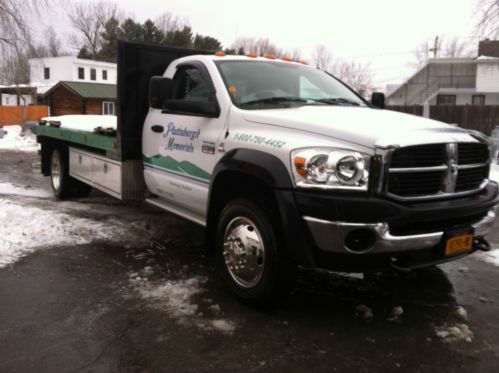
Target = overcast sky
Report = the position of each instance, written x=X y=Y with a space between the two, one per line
x=383 y=33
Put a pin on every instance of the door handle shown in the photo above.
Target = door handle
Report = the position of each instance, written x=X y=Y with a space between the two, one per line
x=157 y=128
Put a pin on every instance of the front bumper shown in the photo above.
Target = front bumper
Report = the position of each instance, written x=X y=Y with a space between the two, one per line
x=331 y=236
x=316 y=225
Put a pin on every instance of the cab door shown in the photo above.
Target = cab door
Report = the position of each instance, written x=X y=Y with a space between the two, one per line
x=180 y=147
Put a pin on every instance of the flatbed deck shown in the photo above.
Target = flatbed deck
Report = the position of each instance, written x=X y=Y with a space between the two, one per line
x=107 y=143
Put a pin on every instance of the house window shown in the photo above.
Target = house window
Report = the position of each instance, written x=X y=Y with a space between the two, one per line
x=108 y=108
x=93 y=74
x=478 y=100
x=104 y=74
x=446 y=99
x=81 y=73
x=46 y=73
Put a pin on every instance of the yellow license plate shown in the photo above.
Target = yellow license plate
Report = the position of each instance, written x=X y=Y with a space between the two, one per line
x=458 y=244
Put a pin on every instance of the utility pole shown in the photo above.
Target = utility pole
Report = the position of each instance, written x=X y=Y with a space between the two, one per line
x=435 y=47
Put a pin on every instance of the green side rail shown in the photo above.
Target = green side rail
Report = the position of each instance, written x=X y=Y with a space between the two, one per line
x=101 y=142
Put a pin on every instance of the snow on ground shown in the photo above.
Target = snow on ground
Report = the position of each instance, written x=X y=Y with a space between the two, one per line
x=494 y=172
x=490 y=257
x=16 y=139
x=25 y=229
x=85 y=122
x=493 y=255
x=22 y=190
x=176 y=298
x=454 y=333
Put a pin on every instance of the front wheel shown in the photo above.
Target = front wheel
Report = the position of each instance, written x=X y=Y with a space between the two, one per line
x=247 y=254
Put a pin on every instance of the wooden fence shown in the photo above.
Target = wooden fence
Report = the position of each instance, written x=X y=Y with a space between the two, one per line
x=481 y=118
x=10 y=115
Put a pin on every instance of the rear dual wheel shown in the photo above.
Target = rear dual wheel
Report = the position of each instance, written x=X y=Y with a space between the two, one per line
x=63 y=185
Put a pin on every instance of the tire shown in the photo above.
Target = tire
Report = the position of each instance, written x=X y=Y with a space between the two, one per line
x=253 y=274
x=63 y=185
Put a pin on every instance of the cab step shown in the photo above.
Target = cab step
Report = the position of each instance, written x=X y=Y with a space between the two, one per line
x=178 y=210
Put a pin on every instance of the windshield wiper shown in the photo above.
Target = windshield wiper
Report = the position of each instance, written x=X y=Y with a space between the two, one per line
x=284 y=99
x=339 y=101
x=275 y=100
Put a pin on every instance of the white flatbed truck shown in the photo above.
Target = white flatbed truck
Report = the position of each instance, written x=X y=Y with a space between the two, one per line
x=283 y=164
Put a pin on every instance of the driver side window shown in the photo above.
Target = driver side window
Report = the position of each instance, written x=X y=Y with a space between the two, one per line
x=190 y=85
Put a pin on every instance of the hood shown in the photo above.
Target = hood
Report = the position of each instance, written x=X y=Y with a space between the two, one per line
x=363 y=126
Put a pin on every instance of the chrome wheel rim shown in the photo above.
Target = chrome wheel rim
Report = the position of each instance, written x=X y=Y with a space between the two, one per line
x=55 y=170
x=244 y=252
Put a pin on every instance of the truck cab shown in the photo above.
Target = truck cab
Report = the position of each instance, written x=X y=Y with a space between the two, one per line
x=287 y=167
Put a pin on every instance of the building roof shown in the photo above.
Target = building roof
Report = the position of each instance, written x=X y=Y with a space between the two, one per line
x=72 y=59
x=433 y=61
x=88 y=90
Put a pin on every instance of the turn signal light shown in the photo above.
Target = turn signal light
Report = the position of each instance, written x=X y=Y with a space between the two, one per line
x=300 y=166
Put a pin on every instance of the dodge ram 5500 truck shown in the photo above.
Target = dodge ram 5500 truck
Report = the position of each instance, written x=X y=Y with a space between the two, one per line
x=283 y=164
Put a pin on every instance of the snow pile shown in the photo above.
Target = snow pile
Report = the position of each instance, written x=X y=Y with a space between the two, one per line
x=176 y=298
x=491 y=257
x=21 y=190
x=85 y=123
x=396 y=314
x=16 y=139
x=25 y=229
x=364 y=311
x=224 y=326
x=461 y=313
x=454 y=333
x=494 y=172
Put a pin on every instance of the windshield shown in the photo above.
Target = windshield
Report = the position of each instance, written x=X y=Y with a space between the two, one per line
x=269 y=85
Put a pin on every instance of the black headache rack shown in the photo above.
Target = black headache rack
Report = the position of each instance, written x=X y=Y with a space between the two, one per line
x=137 y=63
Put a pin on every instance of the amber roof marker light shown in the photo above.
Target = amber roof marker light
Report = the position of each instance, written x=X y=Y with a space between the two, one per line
x=251 y=55
x=220 y=53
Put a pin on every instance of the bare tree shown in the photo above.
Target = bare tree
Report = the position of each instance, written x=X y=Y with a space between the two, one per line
x=168 y=22
x=441 y=47
x=322 y=57
x=53 y=45
x=89 y=18
x=260 y=46
x=14 y=17
x=357 y=75
x=295 y=54
x=16 y=39
x=488 y=18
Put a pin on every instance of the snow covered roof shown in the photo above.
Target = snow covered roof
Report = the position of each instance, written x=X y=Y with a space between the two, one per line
x=487 y=59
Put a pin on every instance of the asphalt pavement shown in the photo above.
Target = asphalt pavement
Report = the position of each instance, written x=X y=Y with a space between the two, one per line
x=157 y=304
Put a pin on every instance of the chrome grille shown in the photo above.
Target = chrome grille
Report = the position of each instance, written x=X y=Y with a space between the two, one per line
x=437 y=170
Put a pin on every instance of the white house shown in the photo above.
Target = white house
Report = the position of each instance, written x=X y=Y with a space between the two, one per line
x=52 y=70
x=453 y=81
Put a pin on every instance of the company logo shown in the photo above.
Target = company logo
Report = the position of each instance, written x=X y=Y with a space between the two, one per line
x=173 y=132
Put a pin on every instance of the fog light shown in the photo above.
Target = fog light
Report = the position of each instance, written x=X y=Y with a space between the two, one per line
x=360 y=240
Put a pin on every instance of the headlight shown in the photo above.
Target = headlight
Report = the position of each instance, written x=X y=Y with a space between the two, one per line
x=330 y=169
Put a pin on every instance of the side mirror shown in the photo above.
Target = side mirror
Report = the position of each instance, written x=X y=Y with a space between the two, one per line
x=378 y=100
x=160 y=89
x=204 y=109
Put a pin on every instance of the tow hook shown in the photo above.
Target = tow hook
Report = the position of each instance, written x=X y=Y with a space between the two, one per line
x=482 y=244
